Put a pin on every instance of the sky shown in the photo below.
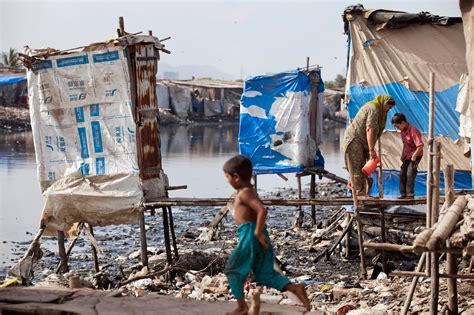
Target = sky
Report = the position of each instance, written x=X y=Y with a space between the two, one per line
x=236 y=38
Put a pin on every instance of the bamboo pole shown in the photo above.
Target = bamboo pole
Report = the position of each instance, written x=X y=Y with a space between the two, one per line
x=409 y=297
x=382 y=210
x=451 y=267
x=144 y=247
x=445 y=227
x=62 y=252
x=436 y=183
x=434 y=219
x=429 y=177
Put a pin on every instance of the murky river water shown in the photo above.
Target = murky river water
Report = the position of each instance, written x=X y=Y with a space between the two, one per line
x=192 y=156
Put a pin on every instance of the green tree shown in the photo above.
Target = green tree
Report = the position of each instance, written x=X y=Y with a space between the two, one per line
x=329 y=85
x=339 y=82
x=10 y=58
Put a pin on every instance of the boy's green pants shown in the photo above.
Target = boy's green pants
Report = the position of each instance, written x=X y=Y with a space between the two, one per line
x=248 y=256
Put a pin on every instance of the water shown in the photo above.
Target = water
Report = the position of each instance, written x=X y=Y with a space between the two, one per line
x=191 y=156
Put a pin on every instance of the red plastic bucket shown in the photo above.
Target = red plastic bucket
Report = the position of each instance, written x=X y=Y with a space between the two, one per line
x=370 y=166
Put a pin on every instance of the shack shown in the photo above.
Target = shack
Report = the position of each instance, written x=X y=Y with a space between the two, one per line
x=94 y=119
x=393 y=52
x=13 y=90
x=200 y=98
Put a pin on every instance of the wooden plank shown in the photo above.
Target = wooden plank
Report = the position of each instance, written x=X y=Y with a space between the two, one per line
x=374 y=203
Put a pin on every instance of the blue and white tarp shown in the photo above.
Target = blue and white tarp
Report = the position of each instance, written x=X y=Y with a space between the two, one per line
x=85 y=139
x=274 y=122
x=81 y=115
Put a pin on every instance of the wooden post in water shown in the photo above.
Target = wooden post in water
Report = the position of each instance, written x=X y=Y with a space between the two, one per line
x=166 y=235
x=451 y=266
x=144 y=247
x=434 y=218
x=94 y=251
x=173 y=235
x=298 y=220
x=312 y=195
x=62 y=252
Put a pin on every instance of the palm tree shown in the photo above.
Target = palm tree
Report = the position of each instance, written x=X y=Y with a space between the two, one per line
x=10 y=58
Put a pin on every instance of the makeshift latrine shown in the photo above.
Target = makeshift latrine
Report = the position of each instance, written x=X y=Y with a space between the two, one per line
x=95 y=123
x=392 y=52
x=281 y=121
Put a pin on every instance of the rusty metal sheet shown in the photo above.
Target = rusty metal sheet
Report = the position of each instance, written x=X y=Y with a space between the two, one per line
x=145 y=59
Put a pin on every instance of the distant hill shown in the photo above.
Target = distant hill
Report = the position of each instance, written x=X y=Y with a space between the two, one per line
x=186 y=72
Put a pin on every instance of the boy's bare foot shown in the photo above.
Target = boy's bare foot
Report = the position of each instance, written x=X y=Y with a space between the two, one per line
x=242 y=308
x=299 y=291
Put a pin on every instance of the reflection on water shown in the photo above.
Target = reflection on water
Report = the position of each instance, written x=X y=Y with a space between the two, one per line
x=191 y=156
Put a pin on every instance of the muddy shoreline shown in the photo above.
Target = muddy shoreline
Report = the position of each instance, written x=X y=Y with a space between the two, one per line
x=199 y=275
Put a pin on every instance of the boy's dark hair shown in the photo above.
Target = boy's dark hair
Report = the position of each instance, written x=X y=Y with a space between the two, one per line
x=398 y=118
x=239 y=164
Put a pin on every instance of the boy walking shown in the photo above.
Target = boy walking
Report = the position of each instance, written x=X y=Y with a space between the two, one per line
x=254 y=251
x=411 y=155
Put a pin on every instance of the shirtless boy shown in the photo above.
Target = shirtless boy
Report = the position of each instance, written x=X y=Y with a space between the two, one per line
x=254 y=251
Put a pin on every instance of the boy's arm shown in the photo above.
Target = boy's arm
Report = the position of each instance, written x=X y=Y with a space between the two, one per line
x=418 y=142
x=416 y=154
x=253 y=202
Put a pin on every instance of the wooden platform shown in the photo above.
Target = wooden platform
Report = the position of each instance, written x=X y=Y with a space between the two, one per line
x=167 y=202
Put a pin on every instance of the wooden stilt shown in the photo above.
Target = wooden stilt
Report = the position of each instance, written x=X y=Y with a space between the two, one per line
x=166 y=235
x=434 y=283
x=94 y=251
x=420 y=266
x=144 y=247
x=429 y=176
x=384 y=239
x=173 y=235
x=348 y=237
x=451 y=265
x=298 y=220
x=68 y=251
x=62 y=252
x=312 y=195
x=360 y=234
x=434 y=218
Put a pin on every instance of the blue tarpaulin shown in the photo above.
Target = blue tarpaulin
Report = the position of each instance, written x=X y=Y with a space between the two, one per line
x=391 y=182
x=6 y=80
x=414 y=105
x=274 y=124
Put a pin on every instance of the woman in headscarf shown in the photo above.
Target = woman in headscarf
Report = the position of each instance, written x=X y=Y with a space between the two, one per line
x=360 y=138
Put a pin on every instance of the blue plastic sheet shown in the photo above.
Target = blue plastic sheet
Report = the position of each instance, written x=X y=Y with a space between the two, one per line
x=414 y=105
x=257 y=123
x=391 y=182
x=6 y=80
